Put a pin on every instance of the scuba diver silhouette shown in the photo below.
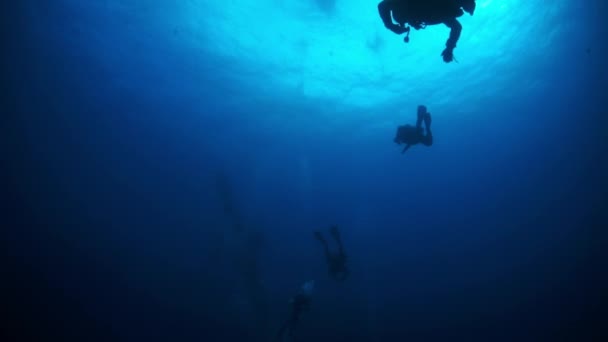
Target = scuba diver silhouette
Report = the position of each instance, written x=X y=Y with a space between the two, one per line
x=336 y=262
x=422 y=13
x=410 y=135
x=299 y=303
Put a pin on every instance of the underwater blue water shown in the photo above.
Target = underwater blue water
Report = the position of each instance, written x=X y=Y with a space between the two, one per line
x=166 y=164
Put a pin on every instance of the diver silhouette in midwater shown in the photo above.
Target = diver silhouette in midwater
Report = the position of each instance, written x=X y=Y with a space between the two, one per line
x=410 y=135
x=336 y=262
x=299 y=303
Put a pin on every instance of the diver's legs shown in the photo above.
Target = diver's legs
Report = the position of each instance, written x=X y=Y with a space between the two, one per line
x=427 y=140
x=427 y=122
x=421 y=111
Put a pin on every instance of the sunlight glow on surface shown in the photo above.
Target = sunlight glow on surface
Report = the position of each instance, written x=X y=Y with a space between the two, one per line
x=347 y=53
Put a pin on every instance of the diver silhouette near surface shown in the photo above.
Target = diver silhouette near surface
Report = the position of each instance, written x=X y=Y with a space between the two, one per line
x=421 y=13
x=336 y=262
x=410 y=135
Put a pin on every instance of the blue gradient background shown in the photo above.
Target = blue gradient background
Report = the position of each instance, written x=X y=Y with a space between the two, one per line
x=129 y=126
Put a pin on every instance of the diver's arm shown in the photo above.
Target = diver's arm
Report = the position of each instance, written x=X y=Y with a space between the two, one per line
x=387 y=19
x=406 y=148
x=455 y=29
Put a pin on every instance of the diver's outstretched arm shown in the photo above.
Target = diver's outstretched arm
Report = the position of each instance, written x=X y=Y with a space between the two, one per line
x=387 y=19
x=455 y=29
x=406 y=148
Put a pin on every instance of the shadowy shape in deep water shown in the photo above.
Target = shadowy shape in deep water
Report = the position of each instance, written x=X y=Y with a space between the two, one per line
x=336 y=262
x=299 y=303
x=410 y=135
x=226 y=195
x=249 y=243
x=422 y=13
x=249 y=268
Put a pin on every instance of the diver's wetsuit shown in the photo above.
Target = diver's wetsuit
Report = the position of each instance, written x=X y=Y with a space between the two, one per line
x=411 y=135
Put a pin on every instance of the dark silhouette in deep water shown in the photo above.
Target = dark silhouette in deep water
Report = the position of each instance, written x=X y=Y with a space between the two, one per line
x=244 y=257
x=248 y=265
x=421 y=13
x=299 y=303
x=336 y=262
x=410 y=135
x=224 y=188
